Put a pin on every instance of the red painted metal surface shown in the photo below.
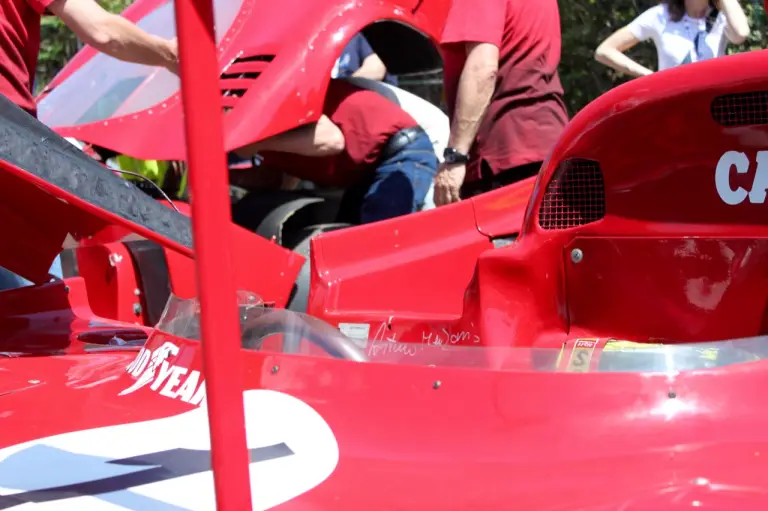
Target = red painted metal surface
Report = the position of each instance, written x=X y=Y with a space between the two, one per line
x=288 y=92
x=208 y=189
x=644 y=248
x=111 y=280
x=685 y=442
x=463 y=402
x=33 y=235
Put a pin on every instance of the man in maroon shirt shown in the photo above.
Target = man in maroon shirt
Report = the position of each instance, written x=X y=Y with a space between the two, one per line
x=363 y=142
x=108 y=33
x=503 y=92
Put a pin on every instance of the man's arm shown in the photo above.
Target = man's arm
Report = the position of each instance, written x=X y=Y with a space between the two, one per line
x=476 y=86
x=372 y=67
x=317 y=139
x=115 y=35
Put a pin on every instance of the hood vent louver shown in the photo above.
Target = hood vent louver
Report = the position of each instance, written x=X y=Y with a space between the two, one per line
x=239 y=76
x=574 y=197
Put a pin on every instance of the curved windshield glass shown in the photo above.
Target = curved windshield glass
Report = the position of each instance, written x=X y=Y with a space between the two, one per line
x=181 y=317
x=279 y=330
x=264 y=328
x=105 y=87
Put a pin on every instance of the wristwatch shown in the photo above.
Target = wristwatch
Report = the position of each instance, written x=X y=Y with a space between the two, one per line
x=451 y=155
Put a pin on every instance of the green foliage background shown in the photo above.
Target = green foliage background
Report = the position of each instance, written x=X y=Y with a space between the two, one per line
x=59 y=44
x=585 y=23
x=588 y=22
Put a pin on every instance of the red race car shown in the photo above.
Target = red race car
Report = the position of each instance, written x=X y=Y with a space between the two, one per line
x=273 y=73
x=605 y=356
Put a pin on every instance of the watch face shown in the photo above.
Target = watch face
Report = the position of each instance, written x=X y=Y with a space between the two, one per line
x=453 y=156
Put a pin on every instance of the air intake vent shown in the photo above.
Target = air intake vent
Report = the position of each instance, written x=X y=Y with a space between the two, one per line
x=574 y=197
x=239 y=77
x=744 y=109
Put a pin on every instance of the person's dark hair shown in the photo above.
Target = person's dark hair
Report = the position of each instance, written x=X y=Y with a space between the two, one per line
x=676 y=9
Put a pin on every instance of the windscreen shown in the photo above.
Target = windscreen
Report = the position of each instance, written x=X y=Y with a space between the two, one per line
x=279 y=330
x=263 y=328
x=105 y=87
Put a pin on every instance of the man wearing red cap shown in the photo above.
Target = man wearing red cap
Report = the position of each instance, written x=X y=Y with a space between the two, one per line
x=503 y=92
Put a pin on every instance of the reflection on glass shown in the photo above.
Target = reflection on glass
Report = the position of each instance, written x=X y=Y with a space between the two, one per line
x=110 y=101
x=105 y=87
x=279 y=330
x=264 y=328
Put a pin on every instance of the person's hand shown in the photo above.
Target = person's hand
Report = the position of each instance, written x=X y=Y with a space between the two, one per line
x=172 y=63
x=448 y=181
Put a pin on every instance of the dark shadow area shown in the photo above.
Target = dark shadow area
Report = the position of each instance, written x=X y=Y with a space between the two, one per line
x=403 y=49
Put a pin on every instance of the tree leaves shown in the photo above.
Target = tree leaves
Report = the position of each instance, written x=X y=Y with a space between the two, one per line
x=58 y=44
x=585 y=23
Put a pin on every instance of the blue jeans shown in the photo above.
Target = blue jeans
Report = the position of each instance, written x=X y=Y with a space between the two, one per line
x=398 y=186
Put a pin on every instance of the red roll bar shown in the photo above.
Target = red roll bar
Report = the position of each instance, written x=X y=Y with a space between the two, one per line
x=208 y=185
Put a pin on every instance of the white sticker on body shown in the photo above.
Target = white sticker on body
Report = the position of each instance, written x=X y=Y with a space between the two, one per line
x=358 y=332
x=164 y=464
x=151 y=368
x=735 y=162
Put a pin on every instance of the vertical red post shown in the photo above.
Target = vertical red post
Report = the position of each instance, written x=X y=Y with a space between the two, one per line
x=209 y=192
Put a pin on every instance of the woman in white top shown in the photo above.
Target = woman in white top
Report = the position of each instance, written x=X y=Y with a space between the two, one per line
x=683 y=31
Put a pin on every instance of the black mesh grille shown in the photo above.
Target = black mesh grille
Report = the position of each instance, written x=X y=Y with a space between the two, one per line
x=741 y=109
x=574 y=197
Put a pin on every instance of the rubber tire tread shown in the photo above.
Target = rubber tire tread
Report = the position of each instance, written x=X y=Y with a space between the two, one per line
x=33 y=147
x=299 y=300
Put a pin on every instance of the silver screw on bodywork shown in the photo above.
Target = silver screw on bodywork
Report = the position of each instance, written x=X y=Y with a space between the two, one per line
x=137 y=308
x=137 y=292
x=437 y=384
x=577 y=255
x=275 y=369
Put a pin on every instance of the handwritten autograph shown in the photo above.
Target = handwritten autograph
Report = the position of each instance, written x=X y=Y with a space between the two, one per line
x=386 y=343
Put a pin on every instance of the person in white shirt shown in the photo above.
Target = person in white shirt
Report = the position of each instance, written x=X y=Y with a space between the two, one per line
x=683 y=31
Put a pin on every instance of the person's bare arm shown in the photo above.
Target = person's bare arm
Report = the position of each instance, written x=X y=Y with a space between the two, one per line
x=317 y=139
x=737 y=26
x=476 y=86
x=611 y=53
x=115 y=35
x=372 y=68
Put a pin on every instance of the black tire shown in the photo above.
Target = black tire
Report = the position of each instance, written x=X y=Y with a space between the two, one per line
x=279 y=214
x=299 y=300
x=31 y=146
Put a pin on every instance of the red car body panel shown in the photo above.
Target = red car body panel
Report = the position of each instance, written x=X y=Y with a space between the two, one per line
x=661 y=237
x=33 y=239
x=662 y=212
x=430 y=437
x=289 y=91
